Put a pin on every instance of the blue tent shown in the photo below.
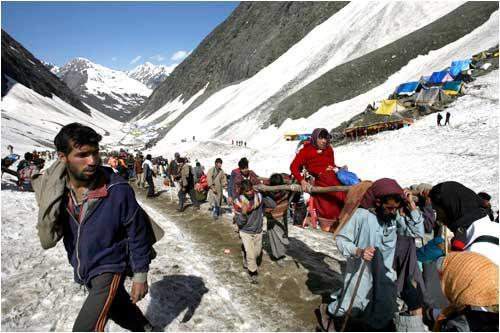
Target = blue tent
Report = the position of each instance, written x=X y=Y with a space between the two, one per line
x=440 y=77
x=408 y=88
x=458 y=66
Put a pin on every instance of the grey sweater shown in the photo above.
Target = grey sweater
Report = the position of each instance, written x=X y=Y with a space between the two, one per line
x=252 y=222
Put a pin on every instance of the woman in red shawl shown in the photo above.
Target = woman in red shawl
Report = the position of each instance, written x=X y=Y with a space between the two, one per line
x=317 y=158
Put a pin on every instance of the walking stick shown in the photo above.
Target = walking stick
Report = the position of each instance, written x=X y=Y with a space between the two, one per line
x=358 y=282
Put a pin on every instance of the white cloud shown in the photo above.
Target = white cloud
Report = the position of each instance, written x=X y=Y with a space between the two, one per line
x=157 y=57
x=136 y=59
x=114 y=59
x=180 y=55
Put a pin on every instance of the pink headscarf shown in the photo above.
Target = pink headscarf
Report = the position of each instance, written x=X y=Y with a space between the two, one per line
x=315 y=136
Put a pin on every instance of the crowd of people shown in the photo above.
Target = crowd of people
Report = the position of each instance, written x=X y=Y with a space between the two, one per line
x=417 y=258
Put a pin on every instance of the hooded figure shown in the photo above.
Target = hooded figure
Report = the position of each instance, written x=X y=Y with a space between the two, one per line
x=369 y=238
x=459 y=208
x=318 y=159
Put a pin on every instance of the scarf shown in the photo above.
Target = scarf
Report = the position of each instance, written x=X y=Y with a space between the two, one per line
x=380 y=188
x=252 y=204
x=315 y=136
x=462 y=207
x=469 y=279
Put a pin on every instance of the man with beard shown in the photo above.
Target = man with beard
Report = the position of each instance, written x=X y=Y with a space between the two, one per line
x=105 y=232
x=369 y=239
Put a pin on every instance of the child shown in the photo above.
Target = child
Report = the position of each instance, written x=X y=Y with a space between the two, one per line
x=249 y=208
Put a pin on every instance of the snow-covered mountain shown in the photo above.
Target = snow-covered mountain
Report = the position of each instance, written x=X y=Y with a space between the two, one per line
x=151 y=75
x=31 y=121
x=51 y=67
x=382 y=43
x=361 y=47
x=109 y=91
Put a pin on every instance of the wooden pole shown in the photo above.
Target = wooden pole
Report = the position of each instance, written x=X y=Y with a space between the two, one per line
x=356 y=287
x=298 y=188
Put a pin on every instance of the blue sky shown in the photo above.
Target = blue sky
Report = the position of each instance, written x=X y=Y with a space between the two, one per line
x=118 y=35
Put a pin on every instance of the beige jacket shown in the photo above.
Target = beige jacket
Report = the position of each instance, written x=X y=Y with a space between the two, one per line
x=49 y=189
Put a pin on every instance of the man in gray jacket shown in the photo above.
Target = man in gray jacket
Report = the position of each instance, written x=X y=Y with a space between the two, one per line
x=249 y=208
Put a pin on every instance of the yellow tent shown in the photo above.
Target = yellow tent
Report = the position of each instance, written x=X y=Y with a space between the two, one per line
x=388 y=106
x=290 y=136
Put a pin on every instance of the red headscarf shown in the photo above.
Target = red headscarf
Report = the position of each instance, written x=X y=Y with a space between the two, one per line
x=379 y=189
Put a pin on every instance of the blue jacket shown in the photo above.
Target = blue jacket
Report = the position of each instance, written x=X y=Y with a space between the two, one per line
x=113 y=235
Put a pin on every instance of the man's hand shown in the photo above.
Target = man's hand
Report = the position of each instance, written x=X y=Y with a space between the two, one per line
x=366 y=254
x=139 y=290
x=411 y=201
x=305 y=185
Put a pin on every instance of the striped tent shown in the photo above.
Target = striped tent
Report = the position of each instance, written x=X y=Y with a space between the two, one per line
x=453 y=87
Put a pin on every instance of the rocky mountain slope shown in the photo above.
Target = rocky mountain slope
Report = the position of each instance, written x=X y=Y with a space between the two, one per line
x=333 y=87
x=151 y=75
x=251 y=38
x=109 y=91
x=23 y=67
x=344 y=54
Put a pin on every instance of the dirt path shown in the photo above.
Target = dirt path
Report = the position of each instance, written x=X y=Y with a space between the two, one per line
x=286 y=296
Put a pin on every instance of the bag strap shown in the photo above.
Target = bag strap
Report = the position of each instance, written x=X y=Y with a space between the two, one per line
x=486 y=239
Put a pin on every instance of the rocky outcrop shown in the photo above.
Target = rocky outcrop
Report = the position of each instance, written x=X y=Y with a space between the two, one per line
x=23 y=67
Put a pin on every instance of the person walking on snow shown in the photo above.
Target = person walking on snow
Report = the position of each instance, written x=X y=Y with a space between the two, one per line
x=187 y=185
x=105 y=232
x=149 y=173
x=249 y=208
x=217 y=181
x=447 y=120
x=369 y=239
x=439 y=118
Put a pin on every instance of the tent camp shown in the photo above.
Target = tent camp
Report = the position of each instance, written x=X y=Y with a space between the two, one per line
x=440 y=77
x=424 y=79
x=458 y=66
x=408 y=88
x=389 y=106
x=453 y=88
x=432 y=96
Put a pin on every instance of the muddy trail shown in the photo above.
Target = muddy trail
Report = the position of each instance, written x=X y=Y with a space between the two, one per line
x=287 y=293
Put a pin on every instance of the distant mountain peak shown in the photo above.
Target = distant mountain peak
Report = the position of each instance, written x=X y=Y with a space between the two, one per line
x=110 y=91
x=151 y=75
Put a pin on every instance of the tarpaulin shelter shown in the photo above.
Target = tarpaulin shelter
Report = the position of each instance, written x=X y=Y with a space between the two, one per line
x=453 y=87
x=440 y=77
x=374 y=128
x=431 y=96
x=458 y=66
x=408 y=88
x=424 y=79
x=389 y=106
